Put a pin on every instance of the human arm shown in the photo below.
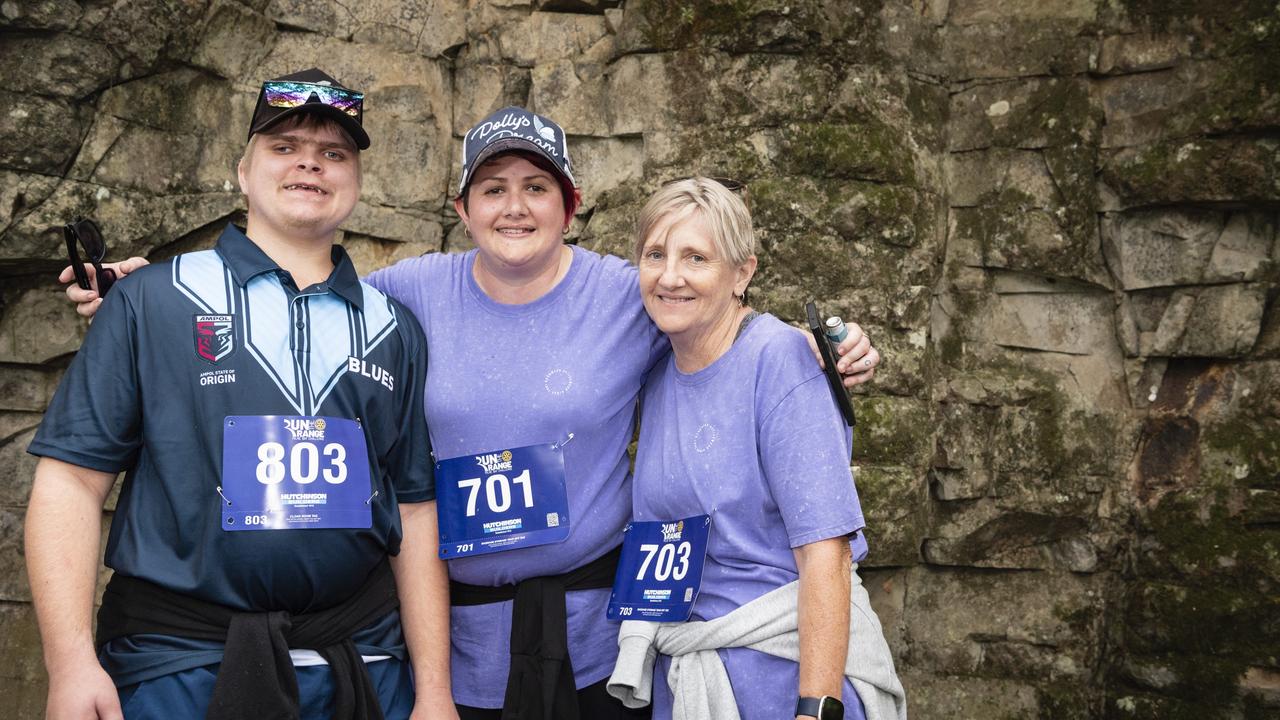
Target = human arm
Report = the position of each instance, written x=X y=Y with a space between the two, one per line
x=805 y=458
x=824 y=568
x=63 y=532
x=422 y=582
x=87 y=301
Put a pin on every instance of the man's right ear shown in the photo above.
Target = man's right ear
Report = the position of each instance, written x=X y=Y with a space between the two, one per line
x=240 y=170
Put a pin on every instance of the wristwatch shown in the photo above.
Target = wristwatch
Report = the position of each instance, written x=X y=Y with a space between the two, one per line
x=823 y=708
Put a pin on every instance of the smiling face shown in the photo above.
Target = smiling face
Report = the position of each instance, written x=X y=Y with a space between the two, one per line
x=301 y=179
x=515 y=212
x=689 y=286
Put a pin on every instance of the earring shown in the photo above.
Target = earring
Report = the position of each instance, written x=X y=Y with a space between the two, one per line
x=565 y=231
x=466 y=230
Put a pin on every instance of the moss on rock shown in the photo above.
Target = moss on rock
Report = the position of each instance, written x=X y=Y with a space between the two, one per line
x=1203 y=170
x=744 y=25
x=1014 y=231
x=892 y=502
x=1242 y=451
x=893 y=431
x=870 y=150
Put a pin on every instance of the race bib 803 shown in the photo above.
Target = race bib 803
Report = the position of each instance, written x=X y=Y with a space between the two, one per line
x=282 y=472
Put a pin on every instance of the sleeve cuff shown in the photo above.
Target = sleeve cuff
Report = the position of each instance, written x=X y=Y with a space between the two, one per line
x=632 y=679
x=844 y=529
x=416 y=496
x=92 y=462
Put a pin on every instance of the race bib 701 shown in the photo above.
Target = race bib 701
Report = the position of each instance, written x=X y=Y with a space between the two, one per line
x=501 y=500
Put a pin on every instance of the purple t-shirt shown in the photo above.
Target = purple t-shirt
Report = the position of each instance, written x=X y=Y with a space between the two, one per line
x=755 y=440
x=501 y=376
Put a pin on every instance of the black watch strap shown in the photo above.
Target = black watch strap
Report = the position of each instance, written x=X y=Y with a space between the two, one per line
x=823 y=708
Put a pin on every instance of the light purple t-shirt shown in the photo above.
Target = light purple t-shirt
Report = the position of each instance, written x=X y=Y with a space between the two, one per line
x=755 y=440
x=501 y=376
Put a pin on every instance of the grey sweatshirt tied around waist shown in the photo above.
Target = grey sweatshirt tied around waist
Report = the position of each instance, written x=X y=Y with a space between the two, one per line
x=697 y=678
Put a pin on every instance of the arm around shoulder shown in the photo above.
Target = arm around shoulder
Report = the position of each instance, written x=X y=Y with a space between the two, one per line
x=88 y=301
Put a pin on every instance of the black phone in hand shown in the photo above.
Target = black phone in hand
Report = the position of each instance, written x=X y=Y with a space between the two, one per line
x=829 y=358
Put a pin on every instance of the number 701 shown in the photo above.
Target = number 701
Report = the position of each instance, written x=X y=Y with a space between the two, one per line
x=497 y=492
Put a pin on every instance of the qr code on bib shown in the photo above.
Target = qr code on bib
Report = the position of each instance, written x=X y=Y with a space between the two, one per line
x=553 y=520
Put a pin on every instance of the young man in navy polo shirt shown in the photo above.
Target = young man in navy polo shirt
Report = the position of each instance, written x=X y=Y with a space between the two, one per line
x=266 y=407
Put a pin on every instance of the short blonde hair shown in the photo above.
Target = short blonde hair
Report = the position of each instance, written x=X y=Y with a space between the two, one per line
x=725 y=214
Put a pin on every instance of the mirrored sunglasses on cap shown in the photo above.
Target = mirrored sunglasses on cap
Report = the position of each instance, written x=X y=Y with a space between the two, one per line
x=291 y=94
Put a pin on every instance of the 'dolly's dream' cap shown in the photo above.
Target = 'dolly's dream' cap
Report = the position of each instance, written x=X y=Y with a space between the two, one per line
x=514 y=128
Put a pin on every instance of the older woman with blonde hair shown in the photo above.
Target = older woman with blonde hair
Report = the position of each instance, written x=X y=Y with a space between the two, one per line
x=739 y=424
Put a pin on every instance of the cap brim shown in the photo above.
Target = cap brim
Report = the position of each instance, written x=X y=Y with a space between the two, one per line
x=348 y=123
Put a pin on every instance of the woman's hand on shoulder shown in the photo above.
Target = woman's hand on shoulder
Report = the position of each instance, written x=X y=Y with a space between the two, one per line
x=87 y=301
x=858 y=357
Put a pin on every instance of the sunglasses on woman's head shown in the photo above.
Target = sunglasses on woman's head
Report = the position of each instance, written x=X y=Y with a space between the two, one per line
x=729 y=183
x=85 y=234
x=734 y=186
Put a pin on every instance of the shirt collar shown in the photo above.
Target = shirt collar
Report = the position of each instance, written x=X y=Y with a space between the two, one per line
x=247 y=261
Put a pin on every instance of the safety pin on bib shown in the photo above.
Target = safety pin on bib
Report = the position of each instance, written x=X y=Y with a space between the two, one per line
x=224 y=497
x=371 y=497
x=562 y=443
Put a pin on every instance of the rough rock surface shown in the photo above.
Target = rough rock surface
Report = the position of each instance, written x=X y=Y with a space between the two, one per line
x=1057 y=219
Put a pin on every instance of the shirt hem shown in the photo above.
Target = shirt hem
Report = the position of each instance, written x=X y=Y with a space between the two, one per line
x=485 y=704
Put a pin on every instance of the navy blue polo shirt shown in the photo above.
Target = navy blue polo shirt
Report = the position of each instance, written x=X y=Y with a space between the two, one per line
x=179 y=346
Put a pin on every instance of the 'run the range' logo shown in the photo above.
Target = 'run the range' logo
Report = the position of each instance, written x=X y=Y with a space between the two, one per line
x=305 y=428
x=495 y=462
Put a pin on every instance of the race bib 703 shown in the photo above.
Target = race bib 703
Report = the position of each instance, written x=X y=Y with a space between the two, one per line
x=660 y=570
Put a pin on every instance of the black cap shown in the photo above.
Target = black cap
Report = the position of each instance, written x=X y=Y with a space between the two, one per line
x=265 y=116
x=514 y=128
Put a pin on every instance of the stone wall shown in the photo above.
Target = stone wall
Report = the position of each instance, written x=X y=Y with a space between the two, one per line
x=1058 y=219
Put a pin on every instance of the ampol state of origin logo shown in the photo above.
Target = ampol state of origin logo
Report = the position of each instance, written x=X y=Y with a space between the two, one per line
x=215 y=336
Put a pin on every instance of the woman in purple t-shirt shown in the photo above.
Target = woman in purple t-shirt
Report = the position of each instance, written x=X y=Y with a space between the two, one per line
x=738 y=423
